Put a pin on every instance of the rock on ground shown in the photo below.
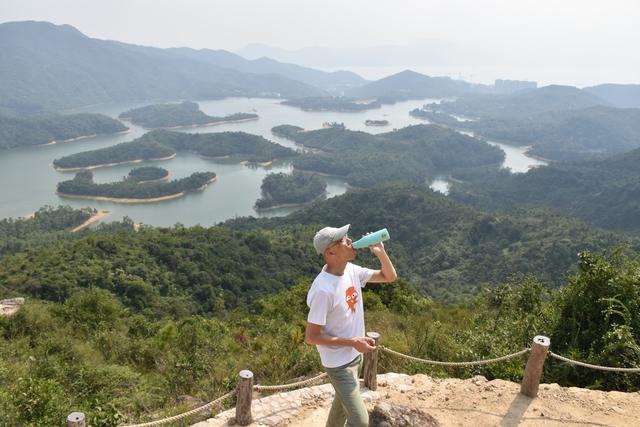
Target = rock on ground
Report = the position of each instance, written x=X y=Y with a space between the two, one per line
x=10 y=306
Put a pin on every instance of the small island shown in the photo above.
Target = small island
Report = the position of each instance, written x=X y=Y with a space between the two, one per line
x=135 y=151
x=164 y=144
x=148 y=174
x=332 y=103
x=283 y=190
x=286 y=131
x=131 y=190
x=184 y=114
x=376 y=122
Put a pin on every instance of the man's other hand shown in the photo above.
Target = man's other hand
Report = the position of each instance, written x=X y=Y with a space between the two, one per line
x=364 y=344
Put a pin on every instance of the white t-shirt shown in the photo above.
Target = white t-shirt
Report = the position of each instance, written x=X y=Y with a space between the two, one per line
x=335 y=303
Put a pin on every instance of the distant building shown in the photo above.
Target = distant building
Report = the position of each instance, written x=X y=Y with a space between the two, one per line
x=511 y=86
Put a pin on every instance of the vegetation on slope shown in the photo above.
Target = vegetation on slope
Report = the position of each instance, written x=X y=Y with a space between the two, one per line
x=84 y=71
x=174 y=115
x=17 y=132
x=120 y=364
x=447 y=249
x=559 y=135
x=163 y=143
x=46 y=224
x=541 y=100
x=411 y=85
x=605 y=193
x=412 y=154
x=131 y=188
x=147 y=173
x=286 y=189
x=126 y=152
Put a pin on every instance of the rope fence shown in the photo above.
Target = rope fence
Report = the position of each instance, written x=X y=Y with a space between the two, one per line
x=456 y=364
x=598 y=367
x=244 y=392
x=186 y=414
x=289 y=386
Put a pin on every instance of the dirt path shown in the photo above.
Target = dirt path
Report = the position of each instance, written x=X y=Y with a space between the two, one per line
x=477 y=402
x=473 y=402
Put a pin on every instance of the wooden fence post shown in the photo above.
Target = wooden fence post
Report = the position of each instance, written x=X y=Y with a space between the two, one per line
x=75 y=419
x=243 y=402
x=371 y=364
x=533 y=370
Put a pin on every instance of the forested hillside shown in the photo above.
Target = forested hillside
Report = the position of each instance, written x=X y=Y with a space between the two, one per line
x=160 y=144
x=279 y=189
x=449 y=250
x=151 y=315
x=46 y=224
x=605 y=192
x=82 y=71
x=331 y=81
x=559 y=135
x=131 y=189
x=175 y=115
x=120 y=358
x=17 y=132
x=412 y=154
x=620 y=95
x=541 y=100
x=411 y=85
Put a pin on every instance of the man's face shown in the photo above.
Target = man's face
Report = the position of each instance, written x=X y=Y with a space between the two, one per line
x=341 y=250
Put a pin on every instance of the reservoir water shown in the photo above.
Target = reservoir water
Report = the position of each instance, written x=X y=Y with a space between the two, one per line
x=29 y=180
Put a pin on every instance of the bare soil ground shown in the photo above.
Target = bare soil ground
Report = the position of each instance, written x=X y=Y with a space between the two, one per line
x=478 y=402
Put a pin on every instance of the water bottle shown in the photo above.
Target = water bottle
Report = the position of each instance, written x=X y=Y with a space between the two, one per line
x=371 y=239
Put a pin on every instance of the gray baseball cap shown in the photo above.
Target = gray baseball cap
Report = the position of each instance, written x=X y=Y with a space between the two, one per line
x=325 y=237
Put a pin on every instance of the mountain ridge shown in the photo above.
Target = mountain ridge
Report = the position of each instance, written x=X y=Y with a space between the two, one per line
x=58 y=67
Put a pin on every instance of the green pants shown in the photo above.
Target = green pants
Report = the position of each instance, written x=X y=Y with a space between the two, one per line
x=347 y=404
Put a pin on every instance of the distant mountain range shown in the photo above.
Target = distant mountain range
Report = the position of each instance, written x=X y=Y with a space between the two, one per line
x=48 y=68
x=624 y=96
x=411 y=85
x=424 y=52
x=541 y=100
x=331 y=81
x=53 y=67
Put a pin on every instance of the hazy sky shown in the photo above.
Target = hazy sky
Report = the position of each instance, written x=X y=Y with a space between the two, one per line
x=541 y=33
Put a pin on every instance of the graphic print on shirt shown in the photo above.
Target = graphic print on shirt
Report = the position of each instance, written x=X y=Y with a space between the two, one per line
x=351 y=297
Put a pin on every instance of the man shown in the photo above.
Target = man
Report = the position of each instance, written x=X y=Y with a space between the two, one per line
x=336 y=319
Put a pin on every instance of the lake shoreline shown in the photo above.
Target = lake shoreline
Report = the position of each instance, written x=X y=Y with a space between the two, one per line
x=221 y=122
x=95 y=217
x=328 y=175
x=164 y=178
x=77 y=138
x=290 y=205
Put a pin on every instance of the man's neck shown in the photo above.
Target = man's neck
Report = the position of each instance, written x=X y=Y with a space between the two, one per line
x=336 y=269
